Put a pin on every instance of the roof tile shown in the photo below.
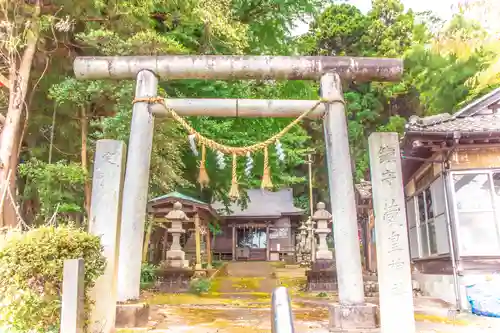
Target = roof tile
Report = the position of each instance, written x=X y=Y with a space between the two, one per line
x=447 y=123
x=262 y=203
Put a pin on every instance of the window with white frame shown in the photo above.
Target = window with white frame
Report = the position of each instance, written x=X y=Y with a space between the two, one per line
x=427 y=226
x=412 y=228
x=475 y=196
x=426 y=229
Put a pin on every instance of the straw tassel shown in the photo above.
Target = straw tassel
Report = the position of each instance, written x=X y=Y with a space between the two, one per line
x=266 y=177
x=234 y=193
x=203 y=178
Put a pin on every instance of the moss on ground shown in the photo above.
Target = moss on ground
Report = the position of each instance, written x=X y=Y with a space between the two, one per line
x=215 y=284
x=180 y=299
x=278 y=264
x=245 y=283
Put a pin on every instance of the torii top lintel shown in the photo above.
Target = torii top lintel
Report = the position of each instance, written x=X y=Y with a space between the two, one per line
x=239 y=67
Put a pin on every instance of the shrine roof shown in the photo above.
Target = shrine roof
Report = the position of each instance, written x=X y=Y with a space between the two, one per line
x=179 y=196
x=476 y=123
x=480 y=116
x=163 y=204
x=261 y=204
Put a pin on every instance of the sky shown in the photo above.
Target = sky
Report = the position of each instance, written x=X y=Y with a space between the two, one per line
x=442 y=8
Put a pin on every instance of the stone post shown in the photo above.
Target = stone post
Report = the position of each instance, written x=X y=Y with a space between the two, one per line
x=312 y=243
x=176 y=257
x=322 y=217
x=147 y=238
x=197 y=239
x=104 y=221
x=341 y=188
x=135 y=189
x=73 y=296
x=301 y=246
x=281 y=311
x=393 y=255
x=351 y=313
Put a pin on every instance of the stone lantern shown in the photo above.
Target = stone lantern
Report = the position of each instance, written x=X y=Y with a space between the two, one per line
x=311 y=239
x=301 y=247
x=322 y=217
x=175 y=255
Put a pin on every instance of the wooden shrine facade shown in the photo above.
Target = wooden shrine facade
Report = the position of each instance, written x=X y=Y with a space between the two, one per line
x=157 y=238
x=264 y=230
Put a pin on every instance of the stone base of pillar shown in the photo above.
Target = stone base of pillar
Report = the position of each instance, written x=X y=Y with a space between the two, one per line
x=197 y=267
x=132 y=315
x=324 y=254
x=353 y=318
x=322 y=276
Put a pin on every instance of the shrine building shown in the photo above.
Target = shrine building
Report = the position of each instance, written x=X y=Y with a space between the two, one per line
x=265 y=229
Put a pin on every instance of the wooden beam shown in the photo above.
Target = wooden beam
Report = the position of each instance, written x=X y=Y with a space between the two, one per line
x=268 y=245
x=164 y=220
x=208 y=248
x=197 y=236
x=168 y=210
x=224 y=67
x=468 y=146
x=147 y=238
x=428 y=160
x=234 y=243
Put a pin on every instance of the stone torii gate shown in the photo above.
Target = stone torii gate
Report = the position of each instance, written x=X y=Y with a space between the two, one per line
x=147 y=70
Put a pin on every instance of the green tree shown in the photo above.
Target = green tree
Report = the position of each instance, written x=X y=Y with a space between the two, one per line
x=449 y=71
x=67 y=116
x=270 y=22
x=338 y=31
x=386 y=31
x=121 y=28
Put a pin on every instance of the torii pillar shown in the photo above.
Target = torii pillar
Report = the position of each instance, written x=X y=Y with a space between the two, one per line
x=351 y=312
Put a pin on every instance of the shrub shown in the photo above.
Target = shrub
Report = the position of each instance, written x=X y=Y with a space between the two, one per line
x=31 y=272
x=217 y=263
x=200 y=285
x=148 y=275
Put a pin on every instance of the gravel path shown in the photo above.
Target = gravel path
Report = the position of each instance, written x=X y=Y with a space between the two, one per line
x=244 y=307
x=230 y=319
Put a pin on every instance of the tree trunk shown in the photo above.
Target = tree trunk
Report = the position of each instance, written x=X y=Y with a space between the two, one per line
x=19 y=79
x=84 y=124
x=52 y=132
x=9 y=213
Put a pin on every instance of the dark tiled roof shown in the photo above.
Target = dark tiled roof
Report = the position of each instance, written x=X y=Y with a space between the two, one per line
x=262 y=203
x=447 y=123
x=475 y=117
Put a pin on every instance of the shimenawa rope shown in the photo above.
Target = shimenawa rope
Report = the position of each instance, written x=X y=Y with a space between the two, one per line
x=234 y=151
